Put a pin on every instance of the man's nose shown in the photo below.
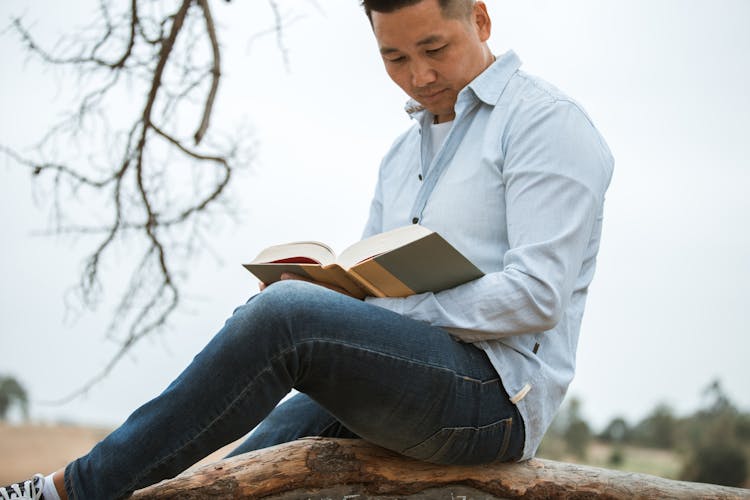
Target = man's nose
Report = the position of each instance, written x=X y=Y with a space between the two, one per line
x=422 y=74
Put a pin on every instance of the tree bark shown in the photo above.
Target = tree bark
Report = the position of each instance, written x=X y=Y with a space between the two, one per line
x=352 y=468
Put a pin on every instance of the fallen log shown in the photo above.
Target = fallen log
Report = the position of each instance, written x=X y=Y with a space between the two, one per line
x=352 y=468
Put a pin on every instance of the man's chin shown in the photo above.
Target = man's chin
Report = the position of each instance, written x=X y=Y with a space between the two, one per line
x=444 y=108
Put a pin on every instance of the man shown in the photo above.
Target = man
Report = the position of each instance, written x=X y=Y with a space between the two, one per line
x=513 y=174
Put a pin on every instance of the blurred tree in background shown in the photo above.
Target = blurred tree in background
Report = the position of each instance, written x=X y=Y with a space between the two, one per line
x=12 y=394
x=577 y=433
x=717 y=464
x=569 y=433
x=657 y=429
x=717 y=441
x=616 y=433
x=712 y=445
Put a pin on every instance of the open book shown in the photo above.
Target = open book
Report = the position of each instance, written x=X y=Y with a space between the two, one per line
x=401 y=262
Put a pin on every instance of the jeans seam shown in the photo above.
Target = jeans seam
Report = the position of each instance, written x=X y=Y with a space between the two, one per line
x=234 y=401
x=267 y=369
x=506 y=438
x=327 y=427
x=213 y=421
x=406 y=359
x=503 y=422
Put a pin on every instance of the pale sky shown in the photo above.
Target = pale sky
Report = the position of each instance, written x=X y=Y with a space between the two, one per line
x=666 y=82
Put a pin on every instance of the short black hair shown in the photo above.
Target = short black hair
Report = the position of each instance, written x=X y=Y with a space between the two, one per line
x=451 y=8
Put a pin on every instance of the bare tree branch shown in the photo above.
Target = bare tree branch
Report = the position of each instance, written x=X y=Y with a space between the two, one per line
x=129 y=187
x=277 y=29
x=215 y=71
x=174 y=60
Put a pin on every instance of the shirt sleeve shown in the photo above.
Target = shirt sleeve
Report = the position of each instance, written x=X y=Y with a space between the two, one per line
x=555 y=170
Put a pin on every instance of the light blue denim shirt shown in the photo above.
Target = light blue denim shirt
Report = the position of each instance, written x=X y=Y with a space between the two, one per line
x=518 y=187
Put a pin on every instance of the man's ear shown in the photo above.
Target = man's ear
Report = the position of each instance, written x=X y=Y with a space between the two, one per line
x=482 y=21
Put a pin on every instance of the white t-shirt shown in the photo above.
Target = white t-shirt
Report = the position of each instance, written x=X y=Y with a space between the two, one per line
x=438 y=133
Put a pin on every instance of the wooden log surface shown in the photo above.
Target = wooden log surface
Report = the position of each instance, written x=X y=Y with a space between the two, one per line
x=319 y=468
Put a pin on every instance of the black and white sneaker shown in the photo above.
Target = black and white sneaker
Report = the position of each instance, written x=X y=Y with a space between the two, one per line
x=30 y=489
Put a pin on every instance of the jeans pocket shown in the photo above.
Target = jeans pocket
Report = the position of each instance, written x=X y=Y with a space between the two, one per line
x=465 y=445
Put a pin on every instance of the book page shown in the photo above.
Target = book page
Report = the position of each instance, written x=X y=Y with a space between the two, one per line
x=290 y=252
x=380 y=243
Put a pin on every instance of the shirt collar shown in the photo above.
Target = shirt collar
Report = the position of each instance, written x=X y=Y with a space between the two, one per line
x=488 y=86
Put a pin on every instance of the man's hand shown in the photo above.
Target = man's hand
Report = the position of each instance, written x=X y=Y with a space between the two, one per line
x=292 y=276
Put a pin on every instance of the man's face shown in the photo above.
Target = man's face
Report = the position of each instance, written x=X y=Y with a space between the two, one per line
x=432 y=57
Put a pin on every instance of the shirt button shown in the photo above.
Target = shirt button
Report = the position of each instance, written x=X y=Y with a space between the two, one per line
x=415 y=220
x=420 y=177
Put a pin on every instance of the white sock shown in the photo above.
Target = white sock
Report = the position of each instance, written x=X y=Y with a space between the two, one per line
x=48 y=490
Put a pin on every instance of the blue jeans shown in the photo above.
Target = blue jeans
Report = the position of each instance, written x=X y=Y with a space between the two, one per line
x=361 y=370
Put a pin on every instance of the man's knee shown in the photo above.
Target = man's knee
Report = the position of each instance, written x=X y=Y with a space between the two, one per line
x=281 y=305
